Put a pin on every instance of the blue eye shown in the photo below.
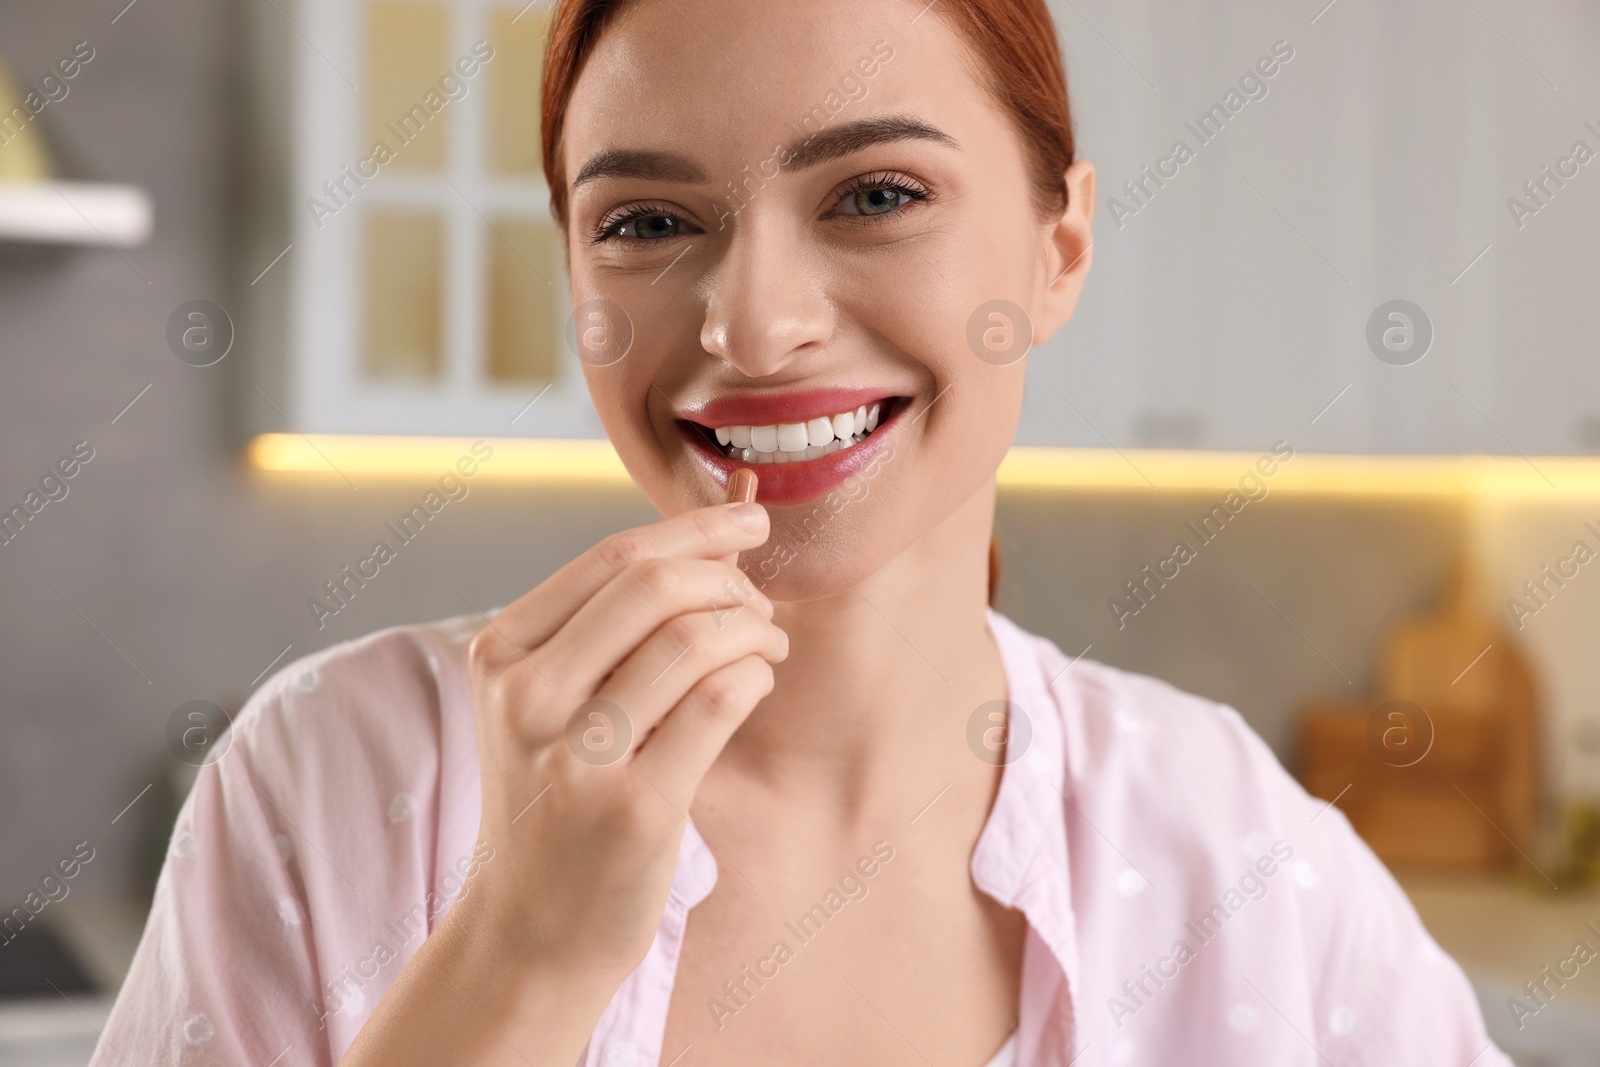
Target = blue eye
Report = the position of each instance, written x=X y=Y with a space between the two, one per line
x=641 y=223
x=877 y=201
x=877 y=194
x=646 y=227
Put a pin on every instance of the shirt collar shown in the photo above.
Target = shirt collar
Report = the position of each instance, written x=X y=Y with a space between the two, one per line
x=1021 y=856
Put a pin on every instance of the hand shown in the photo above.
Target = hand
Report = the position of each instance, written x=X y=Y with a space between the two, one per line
x=654 y=645
x=603 y=697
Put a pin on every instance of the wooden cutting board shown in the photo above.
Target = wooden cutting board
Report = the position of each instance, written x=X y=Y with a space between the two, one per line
x=1466 y=795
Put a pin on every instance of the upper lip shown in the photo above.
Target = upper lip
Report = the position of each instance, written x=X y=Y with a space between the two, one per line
x=765 y=409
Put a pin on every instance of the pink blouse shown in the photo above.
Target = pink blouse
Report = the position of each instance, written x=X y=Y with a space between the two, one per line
x=1186 y=901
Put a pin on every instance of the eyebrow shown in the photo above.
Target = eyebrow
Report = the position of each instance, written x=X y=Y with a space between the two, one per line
x=821 y=147
x=826 y=145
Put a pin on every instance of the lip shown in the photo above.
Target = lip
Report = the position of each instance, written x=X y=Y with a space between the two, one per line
x=759 y=410
x=789 y=483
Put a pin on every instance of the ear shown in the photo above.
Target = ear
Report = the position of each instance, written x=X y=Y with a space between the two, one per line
x=1068 y=246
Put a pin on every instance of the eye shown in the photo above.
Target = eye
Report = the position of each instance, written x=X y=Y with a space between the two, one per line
x=642 y=223
x=878 y=201
x=878 y=194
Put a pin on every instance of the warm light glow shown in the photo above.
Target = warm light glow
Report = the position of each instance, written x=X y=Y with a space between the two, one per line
x=515 y=458
x=1552 y=477
x=594 y=462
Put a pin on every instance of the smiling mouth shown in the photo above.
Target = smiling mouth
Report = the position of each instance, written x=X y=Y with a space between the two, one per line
x=796 y=442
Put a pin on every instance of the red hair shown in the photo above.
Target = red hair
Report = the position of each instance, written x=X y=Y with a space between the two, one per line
x=1014 y=42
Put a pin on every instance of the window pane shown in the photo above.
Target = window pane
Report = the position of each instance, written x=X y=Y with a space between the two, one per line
x=514 y=89
x=407 y=54
x=525 y=269
x=404 y=295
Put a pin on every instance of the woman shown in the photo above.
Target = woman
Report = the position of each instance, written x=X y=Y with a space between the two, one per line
x=768 y=783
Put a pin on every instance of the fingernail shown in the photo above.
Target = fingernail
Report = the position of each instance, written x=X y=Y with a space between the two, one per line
x=742 y=486
x=751 y=517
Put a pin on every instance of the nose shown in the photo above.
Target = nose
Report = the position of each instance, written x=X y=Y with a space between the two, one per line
x=767 y=307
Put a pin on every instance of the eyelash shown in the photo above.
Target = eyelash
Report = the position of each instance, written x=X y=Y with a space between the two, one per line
x=612 y=221
x=913 y=192
x=606 y=229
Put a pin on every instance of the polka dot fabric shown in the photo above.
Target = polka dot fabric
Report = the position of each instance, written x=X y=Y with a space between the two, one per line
x=1186 y=901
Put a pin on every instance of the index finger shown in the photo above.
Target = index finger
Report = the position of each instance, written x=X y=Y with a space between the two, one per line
x=703 y=533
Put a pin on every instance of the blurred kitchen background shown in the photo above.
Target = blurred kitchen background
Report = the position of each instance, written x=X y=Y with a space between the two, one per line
x=1407 y=610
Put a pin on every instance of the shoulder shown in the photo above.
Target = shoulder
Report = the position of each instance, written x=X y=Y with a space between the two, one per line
x=371 y=742
x=1128 y=738
x=347 y=801
x=1188 y=792
x=380 y=700
x=366 y=750
x=1178 y=820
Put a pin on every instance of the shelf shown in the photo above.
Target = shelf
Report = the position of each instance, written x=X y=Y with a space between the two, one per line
x=74 y=213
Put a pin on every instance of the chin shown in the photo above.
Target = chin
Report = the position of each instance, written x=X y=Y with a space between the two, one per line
x=802 y=561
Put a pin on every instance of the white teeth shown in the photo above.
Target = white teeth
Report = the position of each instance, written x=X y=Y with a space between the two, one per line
x=795 y=442
x=764 y=438
x=792 y=437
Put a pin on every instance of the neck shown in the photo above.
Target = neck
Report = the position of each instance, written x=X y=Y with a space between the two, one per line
x=882 y=676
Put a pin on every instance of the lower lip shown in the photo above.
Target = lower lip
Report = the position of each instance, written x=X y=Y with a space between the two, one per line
x=792 y=483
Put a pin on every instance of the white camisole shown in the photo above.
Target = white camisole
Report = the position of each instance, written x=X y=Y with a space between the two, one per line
x=1007 y=1056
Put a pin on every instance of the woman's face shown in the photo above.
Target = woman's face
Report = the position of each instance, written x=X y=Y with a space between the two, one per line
x=793 y=216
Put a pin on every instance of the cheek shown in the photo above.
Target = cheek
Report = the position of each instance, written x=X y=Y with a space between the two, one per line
x=936 y=295
x=656 y=324
x=621 y=394
x=630 y=395
x=956 y=306
x=917 y=305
